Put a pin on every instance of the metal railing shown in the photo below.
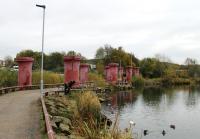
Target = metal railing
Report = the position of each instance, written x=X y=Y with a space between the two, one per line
x=28 y=87
x=49 y=129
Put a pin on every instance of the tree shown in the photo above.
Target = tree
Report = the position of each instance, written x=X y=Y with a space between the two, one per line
x=190 y=61
x=54 y=61
x=100 y=53
x=163 y=58
x=152 y=68
x=35 y=55
x=9 y=62
x=192 y=67
x=117 y=55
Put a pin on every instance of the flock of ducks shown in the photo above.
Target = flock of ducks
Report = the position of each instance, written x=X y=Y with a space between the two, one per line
x=146 y=132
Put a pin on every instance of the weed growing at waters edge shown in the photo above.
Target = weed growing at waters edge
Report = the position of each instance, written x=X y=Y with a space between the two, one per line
x=92 y=124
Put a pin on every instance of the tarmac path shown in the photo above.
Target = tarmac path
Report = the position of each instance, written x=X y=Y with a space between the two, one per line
x=20 y=115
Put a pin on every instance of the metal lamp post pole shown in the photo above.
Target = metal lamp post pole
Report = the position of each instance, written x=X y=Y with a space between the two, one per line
x=42 y=61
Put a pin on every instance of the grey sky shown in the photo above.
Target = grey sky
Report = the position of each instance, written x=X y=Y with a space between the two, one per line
x=143 y=27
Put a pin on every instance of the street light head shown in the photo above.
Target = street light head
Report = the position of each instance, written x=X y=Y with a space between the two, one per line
x=42 y=6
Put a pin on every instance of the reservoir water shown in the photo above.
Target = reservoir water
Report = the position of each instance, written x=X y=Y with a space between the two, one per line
x=155 y=109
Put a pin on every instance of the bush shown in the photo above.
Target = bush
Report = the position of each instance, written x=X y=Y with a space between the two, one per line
x=97 y=78
x=8 y=78
x=88 y=103
x=175 y=81
x=49 y=77
x=138 y=81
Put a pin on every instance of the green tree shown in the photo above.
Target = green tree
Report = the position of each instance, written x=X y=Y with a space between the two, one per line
x=54 y=62
x=109 y=54
x=35 y=55
x=192 y=67
x=9 y=62
x=100 y=53
x=152 y=68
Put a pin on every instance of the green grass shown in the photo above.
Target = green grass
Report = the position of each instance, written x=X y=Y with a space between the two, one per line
x=97 y=79
x=49 y=77
x=8 y=78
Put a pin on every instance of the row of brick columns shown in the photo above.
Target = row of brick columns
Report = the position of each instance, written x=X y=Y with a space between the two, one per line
x=73 y=70
x=113 y=73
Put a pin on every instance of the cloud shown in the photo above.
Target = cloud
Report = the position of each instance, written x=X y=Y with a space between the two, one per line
x=170 y=27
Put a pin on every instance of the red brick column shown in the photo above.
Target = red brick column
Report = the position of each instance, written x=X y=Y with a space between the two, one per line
x=113 y=71
x=136 y=71
x=84 y=69
x=25 y=70
x=121 y=71
x=107 y=73
x=71 y=69
x=129 y=73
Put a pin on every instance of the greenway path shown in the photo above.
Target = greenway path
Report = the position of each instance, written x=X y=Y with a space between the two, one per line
x=20 y=115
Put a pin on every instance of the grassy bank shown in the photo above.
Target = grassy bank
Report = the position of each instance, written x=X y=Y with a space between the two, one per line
x=78 y=116
x=165 y=81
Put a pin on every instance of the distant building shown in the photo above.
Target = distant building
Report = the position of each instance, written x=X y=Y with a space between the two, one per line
x=92 y=66
x=2 y=63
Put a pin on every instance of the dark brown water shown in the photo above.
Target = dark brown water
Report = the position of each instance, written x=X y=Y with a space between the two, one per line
x=155 y=109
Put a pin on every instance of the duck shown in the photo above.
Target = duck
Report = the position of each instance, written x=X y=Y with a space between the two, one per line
x=173 y=126
x=163 y=132
x=145 y=132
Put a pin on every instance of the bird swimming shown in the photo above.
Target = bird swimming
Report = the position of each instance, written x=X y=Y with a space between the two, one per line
x=173 y=126
x=163 y=132
x=145 y=132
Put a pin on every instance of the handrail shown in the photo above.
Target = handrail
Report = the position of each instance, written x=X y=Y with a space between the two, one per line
x=28 y=87
x=50 y=132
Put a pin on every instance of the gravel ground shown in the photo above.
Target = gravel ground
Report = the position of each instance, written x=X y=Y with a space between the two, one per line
x=20 y=115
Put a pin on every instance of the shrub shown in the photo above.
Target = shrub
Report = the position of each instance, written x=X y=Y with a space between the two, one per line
x=97 y=78
x=175 y=81
x=8 y=78
x=137 y=81
x=49 y=77
x=88 y=103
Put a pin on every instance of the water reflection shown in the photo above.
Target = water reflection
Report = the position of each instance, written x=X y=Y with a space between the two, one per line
x=192 y=96
x=120 y=99
x=156 y=108
x=152 y=96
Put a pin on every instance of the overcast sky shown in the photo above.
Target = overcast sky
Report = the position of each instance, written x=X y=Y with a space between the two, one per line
x=143 y=27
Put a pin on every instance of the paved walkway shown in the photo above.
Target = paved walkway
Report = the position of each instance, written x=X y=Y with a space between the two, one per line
x=20 y=115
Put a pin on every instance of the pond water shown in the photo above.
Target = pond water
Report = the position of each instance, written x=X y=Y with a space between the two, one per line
x=155 y=109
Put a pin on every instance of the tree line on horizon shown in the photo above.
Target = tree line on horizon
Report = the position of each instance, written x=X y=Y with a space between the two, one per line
x=156 y=67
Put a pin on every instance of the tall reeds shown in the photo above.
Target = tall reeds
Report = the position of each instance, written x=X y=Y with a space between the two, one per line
x=49 y=77
x=91 y=124
x=8 y=78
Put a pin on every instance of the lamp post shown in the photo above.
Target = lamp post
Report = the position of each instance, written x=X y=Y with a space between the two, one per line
x=42 y=61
